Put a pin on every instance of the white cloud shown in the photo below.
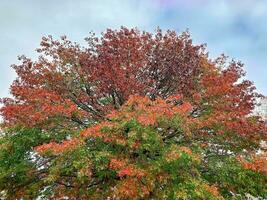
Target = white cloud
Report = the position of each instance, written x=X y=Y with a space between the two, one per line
x=23 y=23
x=236 y=27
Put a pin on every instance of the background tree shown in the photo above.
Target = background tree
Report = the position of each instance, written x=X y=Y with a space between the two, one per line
x=133 y=115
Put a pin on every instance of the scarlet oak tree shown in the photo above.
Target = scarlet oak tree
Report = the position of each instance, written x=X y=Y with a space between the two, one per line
x=133 y=115
x=83 y=83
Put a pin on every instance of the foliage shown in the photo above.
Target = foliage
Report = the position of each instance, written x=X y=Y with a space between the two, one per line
x=132 y=116
x=74 y=85
x=18 y=163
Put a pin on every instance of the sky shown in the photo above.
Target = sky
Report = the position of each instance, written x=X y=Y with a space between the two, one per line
x=237 y=28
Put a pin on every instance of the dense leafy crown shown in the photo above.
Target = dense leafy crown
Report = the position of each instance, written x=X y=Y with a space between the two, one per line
x=133 y=115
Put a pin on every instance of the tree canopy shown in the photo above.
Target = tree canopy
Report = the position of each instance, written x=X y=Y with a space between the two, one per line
x=132 y=115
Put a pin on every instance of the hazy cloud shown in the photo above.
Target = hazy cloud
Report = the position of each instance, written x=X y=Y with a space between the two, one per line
x=235 y=27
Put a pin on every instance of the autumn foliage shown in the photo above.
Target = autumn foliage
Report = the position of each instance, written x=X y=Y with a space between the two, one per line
x=132 y=115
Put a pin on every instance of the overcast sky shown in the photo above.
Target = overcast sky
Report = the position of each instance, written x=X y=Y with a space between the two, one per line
x=237 y=28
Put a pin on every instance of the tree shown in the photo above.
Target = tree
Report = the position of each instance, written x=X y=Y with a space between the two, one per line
x=79 y=85
x=132 y=116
